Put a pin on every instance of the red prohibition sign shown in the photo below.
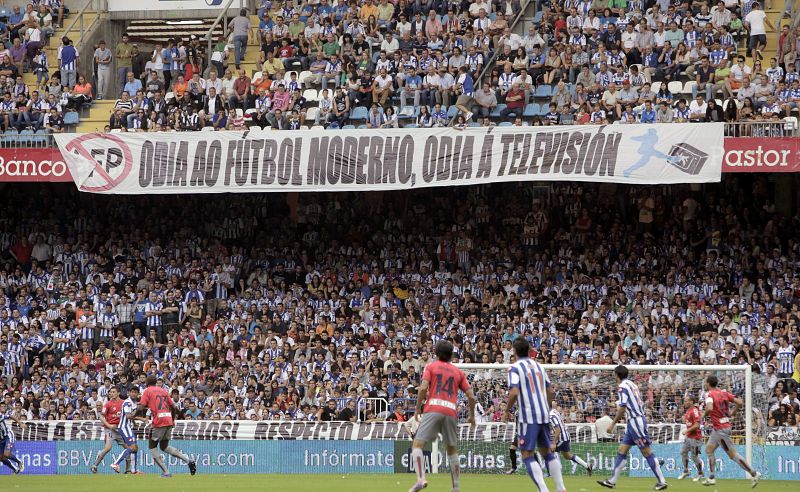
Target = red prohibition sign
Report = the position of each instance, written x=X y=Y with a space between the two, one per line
x=77 y=145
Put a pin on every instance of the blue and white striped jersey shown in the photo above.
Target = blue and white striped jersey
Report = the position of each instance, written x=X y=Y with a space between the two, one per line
x=559 y=429
x=786 y=359
x=125 y=423
x=5 y=428
x=530 y=378
x=631 y=398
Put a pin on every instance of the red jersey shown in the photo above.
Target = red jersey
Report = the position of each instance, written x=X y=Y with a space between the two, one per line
x=112 y=410
x=444 y=380
x=160 y=404
x=720 y=411
x=692 y=417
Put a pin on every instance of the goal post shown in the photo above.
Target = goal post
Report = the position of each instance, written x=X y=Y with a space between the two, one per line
x=585 y=393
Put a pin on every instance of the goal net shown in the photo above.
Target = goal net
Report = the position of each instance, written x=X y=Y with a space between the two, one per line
x=585 y=395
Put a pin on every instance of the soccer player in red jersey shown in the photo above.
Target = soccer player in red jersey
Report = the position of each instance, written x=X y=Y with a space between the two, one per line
x=694 y=438
x=718 y=409
x=438 y=392
x=157 y=400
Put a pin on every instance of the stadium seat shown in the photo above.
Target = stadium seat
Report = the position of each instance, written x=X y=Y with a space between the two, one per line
x=543 y=91
x=348 y=127
x=688 y=86
x=169 y=96
x=358 y=113
x=207 y=129
x=362 y=127
x=473 y=125
x=71 y=118
x=504 y=123
x=655 y=86
x=303 y=75
x=543 y=109
x=452 y=111
x=311 y=113
x=317 y=127
x=407 y=112
x=496 y=111
x=790 y=123
x=531 y=109
x=40 y=137
x=311 y=95
x=288 y=76
x=256 y=77
x=675 y=87
x=412 y=125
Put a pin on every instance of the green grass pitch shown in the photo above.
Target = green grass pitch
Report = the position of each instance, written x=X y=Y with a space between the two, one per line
x=345 y=483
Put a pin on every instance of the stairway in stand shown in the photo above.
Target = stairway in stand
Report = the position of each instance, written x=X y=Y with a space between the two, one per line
x=100 y=113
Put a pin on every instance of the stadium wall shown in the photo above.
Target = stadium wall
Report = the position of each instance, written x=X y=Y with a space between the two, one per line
x=345 y=457
x=70 y=448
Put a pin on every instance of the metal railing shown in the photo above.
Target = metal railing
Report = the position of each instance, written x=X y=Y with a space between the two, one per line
x=762 y=129
x=210 y=33
x=378 y=405
x=745 y=129
x=81 y=25
x=37 y=140
x=490 y=64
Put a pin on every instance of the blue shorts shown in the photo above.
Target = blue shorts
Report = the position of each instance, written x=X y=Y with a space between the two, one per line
x=532 y=436
x=636 y=433
x=6 y=444
x=563 y=447
x=127 y=435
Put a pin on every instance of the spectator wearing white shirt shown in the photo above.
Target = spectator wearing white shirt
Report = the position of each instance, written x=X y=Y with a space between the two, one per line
x=475 y=8
x=757 y=22
x=390 y=44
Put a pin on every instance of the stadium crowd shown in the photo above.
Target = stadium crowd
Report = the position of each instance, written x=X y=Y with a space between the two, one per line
x=384 y=63
x=25 y=33
x=267 y=307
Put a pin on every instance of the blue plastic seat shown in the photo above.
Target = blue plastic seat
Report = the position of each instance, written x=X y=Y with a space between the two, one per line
x=359 y=113
x=496 y=111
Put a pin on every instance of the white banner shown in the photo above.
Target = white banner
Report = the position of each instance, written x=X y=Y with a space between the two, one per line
x=291 y=430
x=396 y=159
x=143 y=5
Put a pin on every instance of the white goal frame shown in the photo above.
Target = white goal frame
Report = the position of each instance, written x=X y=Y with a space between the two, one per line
x=744 y=368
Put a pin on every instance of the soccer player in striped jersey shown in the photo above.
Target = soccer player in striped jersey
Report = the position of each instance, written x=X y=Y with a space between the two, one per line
x=718 y=410
x=125 y=430
x=630 y=404
x=529 y=385
x=561 y=442
x=7 y=441
x=110 y=418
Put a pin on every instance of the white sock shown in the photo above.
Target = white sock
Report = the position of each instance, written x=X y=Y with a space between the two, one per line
x=455 y=470
x=419 y=463
x=577 y=459
x=554 y=465
x=618 y=468
x=535 y=472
